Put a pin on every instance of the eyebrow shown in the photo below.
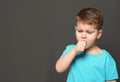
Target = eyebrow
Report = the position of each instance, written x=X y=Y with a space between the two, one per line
x=86 y=30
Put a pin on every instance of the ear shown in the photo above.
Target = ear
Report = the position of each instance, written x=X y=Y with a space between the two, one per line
x=99 y=33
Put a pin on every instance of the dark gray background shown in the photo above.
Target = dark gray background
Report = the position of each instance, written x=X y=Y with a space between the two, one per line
x=33 y=34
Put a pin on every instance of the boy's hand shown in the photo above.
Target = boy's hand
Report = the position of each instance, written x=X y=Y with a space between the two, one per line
x=80 y=46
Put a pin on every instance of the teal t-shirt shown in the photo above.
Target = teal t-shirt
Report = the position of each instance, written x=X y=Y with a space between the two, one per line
x=88 y=67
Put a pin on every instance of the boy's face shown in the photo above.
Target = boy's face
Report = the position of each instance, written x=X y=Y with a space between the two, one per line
x=87 y=33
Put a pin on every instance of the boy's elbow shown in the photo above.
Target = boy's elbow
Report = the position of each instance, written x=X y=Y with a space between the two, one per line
x=58 y=69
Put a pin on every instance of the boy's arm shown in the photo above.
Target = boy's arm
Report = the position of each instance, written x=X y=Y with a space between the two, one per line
x=64 y=62
x=112 y=81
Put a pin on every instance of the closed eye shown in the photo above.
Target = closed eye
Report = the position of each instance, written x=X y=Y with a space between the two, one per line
x=90 y=32
x=79 y=31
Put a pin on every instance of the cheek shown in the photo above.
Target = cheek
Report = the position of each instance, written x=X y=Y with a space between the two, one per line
x=90 y=43
x=91 y=40
x=77 y=36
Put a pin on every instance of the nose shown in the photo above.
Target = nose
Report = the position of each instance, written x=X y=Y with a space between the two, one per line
x=83 y=35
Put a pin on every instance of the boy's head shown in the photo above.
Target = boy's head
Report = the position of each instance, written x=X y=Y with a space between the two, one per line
x=88 y=27
x=90 y=16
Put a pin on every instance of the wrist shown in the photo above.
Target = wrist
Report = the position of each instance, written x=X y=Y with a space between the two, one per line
x=75 y=50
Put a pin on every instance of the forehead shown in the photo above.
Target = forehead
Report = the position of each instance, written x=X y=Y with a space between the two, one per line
x=82 y=25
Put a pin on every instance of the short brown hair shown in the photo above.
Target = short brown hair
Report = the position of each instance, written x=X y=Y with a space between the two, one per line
x=90 y=16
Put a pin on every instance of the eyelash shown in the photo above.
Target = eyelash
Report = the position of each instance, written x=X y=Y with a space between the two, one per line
x=90 y=32
x=87 y=32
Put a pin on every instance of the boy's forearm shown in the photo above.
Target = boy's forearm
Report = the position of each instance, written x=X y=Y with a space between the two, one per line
x=64 y=62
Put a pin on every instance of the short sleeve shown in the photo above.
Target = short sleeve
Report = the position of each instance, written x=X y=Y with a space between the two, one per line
x=111 y=69
x=67 y=49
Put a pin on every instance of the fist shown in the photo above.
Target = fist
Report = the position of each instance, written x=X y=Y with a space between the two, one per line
x=80 y=46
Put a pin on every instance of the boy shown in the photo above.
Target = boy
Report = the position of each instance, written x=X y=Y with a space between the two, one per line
x=86 y=61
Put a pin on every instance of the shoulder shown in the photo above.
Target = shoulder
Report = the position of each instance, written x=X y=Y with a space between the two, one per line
x=108 y=56
x=70 y=46
x=110 y=67
x=67 y=49
x=106 y=53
